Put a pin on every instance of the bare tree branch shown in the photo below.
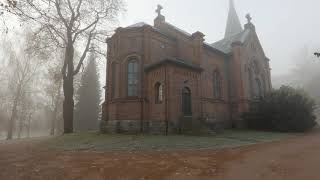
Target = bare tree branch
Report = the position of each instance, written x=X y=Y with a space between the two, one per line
x=67 y=24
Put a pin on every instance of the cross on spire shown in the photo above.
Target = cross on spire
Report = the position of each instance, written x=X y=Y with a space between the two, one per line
x=158 y=10
x=249 y=18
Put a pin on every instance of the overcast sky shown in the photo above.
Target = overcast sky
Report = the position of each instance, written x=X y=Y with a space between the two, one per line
x=284 y=26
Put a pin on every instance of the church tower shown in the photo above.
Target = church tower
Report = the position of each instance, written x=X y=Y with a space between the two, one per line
x=233 y=23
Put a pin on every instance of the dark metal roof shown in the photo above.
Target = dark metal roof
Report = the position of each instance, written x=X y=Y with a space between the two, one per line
x=224 y=45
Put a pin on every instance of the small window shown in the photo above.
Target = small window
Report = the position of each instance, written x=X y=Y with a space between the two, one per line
x=159 y=93
x=133 y=77
x=217 y=93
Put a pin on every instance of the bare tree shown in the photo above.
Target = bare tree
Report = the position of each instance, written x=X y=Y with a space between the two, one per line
x=53 y=90
x=6 y=5
x=22 y=69
x=69 y=24
x=26 y=112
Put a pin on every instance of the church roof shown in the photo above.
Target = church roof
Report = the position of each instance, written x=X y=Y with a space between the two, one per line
x=175 y=61
x=178 y=29
x=233 y=23
x=234 y=32
x=140 y=24
x=224 y=45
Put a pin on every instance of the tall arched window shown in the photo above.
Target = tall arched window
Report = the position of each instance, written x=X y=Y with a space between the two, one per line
x=113 y=79
x=133 y=77
x=259 y=89
x=217 y=93
x=186 y=102
x=256 y=67
x=251 y=83
x=264 y=85
x=159 y=93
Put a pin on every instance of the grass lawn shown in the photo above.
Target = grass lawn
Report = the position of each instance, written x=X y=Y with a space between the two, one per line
x=116 y=142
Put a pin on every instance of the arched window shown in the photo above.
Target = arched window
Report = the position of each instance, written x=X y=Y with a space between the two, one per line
x=186 y=102
x=113 y=79
x=259 y=90
x=133 y=77
x=256 y=67
x=159 y=93
x=264 y=85
x=217 y=93
x=251 y=83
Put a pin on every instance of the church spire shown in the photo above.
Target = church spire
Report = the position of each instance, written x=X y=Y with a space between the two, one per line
x=233 y=23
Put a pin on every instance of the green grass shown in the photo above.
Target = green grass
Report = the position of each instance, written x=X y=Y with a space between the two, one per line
x=134 y=143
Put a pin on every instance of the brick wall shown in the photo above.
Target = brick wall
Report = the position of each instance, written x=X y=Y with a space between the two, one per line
x=149 y=46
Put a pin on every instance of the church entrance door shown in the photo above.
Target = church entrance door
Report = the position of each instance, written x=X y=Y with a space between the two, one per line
x=186 y=102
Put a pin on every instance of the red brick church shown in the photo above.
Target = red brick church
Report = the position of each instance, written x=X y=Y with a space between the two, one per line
x=157 y=75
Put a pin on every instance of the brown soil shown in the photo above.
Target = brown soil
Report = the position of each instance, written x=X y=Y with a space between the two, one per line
x=293 y=159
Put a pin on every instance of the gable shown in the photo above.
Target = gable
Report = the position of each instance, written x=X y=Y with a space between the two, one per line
x=253 y=42
x=254 y=55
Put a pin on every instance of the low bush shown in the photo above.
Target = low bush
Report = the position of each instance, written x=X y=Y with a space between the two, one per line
x=285 y=110
x=190 y=126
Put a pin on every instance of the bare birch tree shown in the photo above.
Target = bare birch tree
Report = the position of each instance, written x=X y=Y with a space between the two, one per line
x=21 y=70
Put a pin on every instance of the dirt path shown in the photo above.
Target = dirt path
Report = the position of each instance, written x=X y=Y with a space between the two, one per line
x=294 y=159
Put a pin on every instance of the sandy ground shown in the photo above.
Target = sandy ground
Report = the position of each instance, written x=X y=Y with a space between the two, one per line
x=292 y=159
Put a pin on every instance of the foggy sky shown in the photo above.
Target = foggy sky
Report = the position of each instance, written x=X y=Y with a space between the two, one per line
x=283 y=26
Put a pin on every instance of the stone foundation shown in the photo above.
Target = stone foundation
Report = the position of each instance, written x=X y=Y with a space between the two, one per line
x=152 y=127
x=133 y=126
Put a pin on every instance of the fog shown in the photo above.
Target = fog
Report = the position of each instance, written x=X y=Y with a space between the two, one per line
x=203 y=123
x=283 y=27
x=288 y=31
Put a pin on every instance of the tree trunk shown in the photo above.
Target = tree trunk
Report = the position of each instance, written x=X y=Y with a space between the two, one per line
x=53 y=123
x=21 y=119
x=68 y=104
x=14 y=113
x=12 y=119
x=55 y=111
x=29 y=125
x=20 y=127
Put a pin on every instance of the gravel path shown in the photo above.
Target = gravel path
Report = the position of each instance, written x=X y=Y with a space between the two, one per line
x=293 y=159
